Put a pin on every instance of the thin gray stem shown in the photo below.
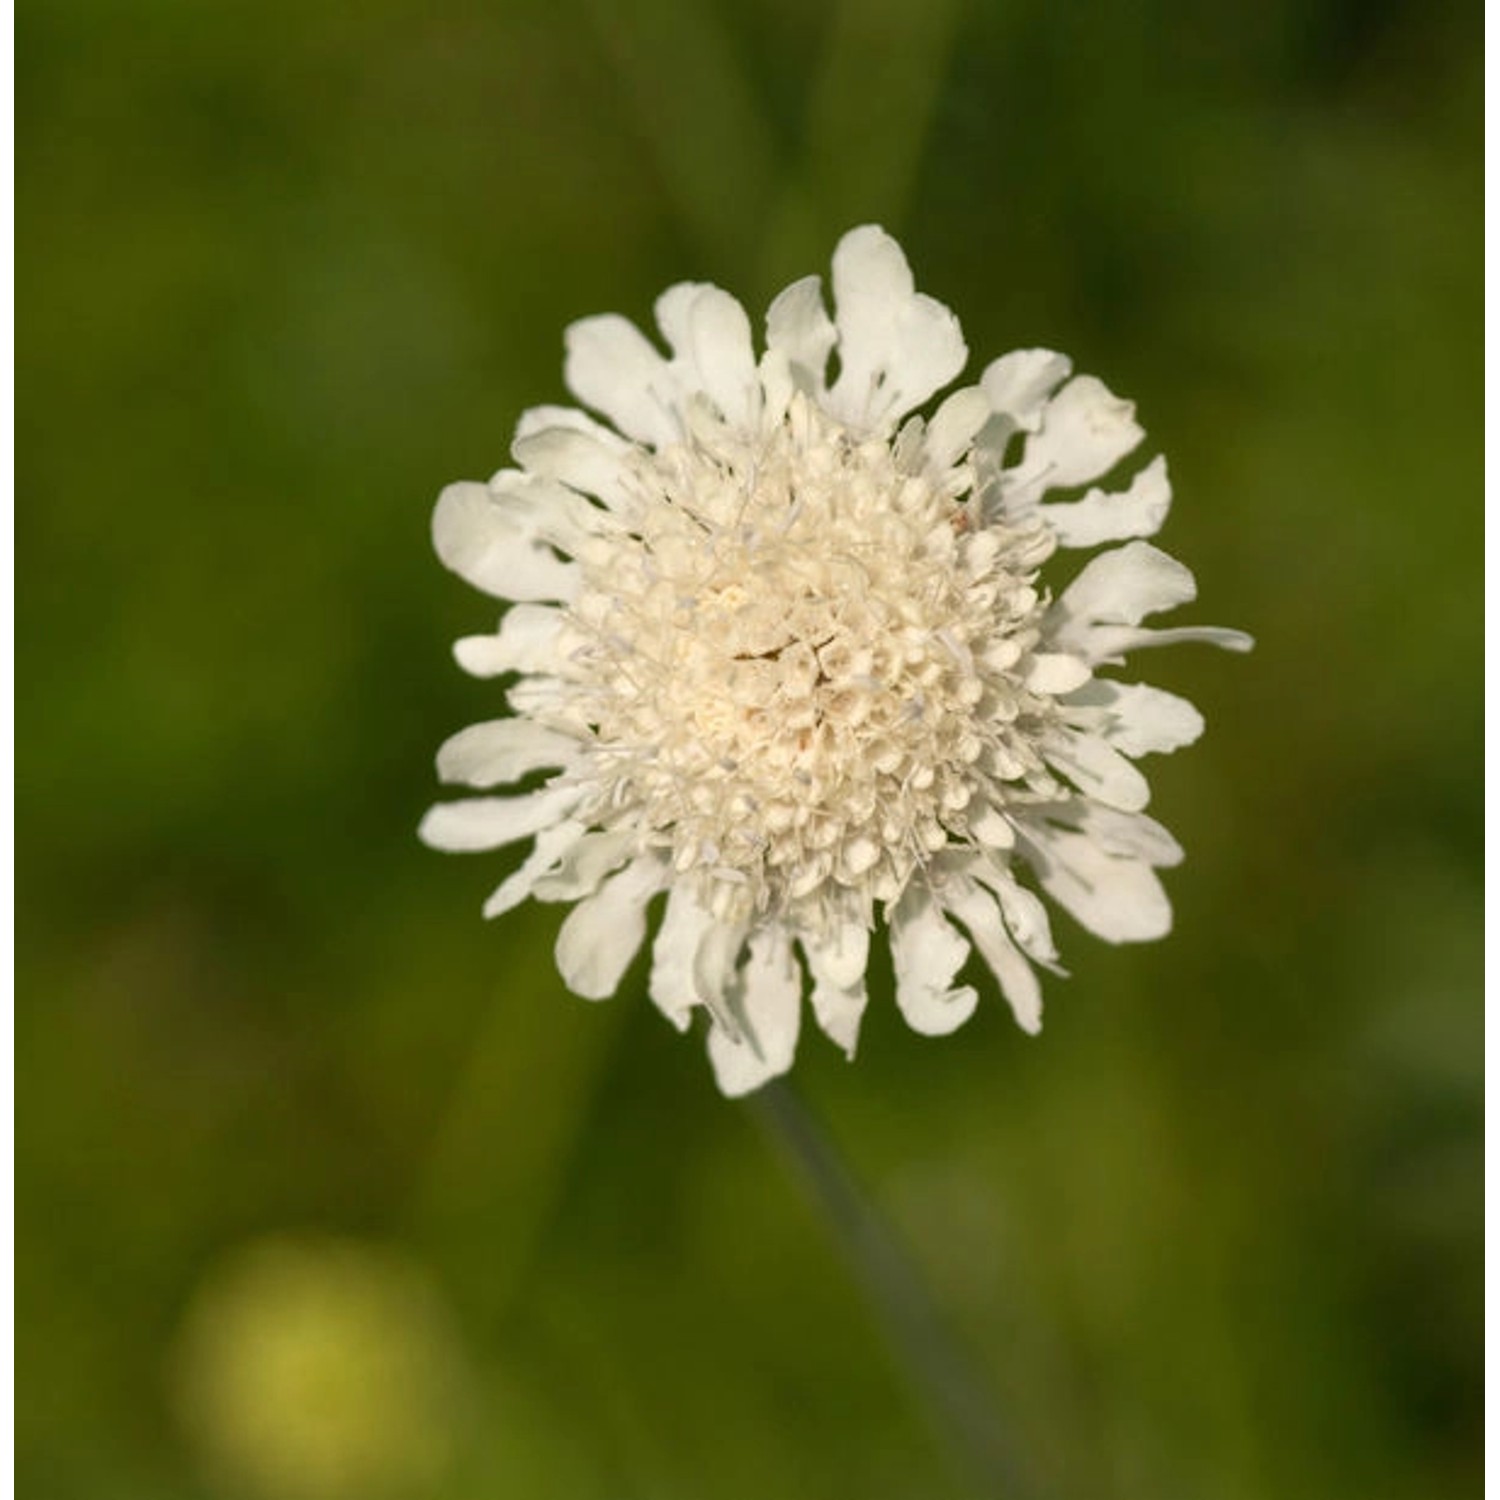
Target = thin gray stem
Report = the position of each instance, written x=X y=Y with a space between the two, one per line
x=960 y=1409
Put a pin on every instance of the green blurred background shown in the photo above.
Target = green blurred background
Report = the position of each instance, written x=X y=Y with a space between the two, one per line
x=327 y=1190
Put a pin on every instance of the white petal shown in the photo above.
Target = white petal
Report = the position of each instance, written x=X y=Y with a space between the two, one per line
x=896 y=346
x=476 y=539
x=768 y=998
x=1025 y=915
x=492 y=822
x=837 y=960
x=550 y=512
x=526 y=642
x=501 y=750
x=798 y=327
x=1120 y=900
x=1120 y=587
x=580 y=867
x=777 y=384
x=592 y=460
x=684 y=927
x=1131 y=835
x=550 y=701
x=613 y=367
x=1109 y=517
x=954 y=425
x=1109 y=643
x=604 y=931
x=1085 y=432
x=551 y=844
x=539 y=419
x=714 y=966
x=990 y=826
x=1018 y=384
x=1054 y=673
x=927 y=953
x=710 y=334
x=1096 y=769
x=978 y=910
x=1134 y=718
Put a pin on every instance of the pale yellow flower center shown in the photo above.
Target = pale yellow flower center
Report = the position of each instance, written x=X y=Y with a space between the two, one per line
x=801 y=662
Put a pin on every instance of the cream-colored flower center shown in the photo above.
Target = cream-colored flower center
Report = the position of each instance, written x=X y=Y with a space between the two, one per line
x=803 y=665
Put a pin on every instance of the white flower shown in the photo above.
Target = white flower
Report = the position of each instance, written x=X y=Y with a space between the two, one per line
x=784 y=652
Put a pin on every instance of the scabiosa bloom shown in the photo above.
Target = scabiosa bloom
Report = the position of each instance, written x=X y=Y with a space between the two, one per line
x=785 y=652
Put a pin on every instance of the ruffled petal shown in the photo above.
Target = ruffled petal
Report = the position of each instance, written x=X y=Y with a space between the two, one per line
x=1117 y=899
x=1110 y=643
x=1018 y=384
x=896 y=345
x=604 y=932
x=493 y=822
x=927 y=953
x=1128 y=835
x=837 y=960
x=580 y=867
x=767 y=996
x=798 y=327
x=486 y=547
x=577 y=451
x=1134 y=718
x=1055 y=673
x=1102 y=516
x=1097 y=770
x=954 y=426
x=978 y=910
x=613 y=367
x=1116 y=588
x=1086 y=430
x=684 y=926
x=1027 y=920
x=503 y=750
x=710 y=334
x=546 y=511
x=526 y=642
x=551 y=845
x=989 y=825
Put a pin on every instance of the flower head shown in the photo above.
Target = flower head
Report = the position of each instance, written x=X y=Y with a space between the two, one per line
x=785 y=652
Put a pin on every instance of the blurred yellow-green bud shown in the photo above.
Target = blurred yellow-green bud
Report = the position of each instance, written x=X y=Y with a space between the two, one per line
x=318 y=1369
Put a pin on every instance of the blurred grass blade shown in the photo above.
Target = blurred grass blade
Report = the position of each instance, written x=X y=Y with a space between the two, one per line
x=866 y=124
x=695 y=108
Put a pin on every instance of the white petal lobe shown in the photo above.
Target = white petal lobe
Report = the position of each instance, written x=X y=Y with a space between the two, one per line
x=486 y=547
x=493 y=822
x=684 y=928
x=604 y=932
x=768 y=998
x=978 y=910
x=1103 y=773
x=928 y=953
x=1017 y=385
x=486 y=755
x=1119 y=900
x=551 y=844
x=798 y=327
x=1085 y=431
x=612 y=367
x=837 y=961
x=526 y=642
x=1135 y=718
x=1106 y=517
x=710 y=334
x=896 y=346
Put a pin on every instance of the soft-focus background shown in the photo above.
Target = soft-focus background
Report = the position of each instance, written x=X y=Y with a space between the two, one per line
x=328 y=1191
